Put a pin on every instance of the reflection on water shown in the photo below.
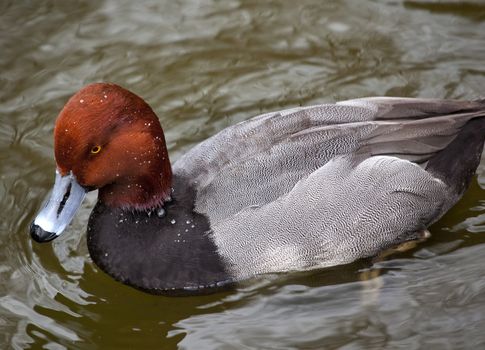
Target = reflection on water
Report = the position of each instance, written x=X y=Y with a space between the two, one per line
x=202 y=66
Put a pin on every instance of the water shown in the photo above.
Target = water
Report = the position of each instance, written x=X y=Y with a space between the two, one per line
x=203 y=65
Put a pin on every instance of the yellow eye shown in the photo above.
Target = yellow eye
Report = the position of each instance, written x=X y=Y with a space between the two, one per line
x=95 y=149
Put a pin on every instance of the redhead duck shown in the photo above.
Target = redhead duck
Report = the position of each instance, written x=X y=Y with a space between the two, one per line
x=298 y=189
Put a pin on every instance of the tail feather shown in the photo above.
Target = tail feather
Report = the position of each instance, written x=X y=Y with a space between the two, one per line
x=456 y=163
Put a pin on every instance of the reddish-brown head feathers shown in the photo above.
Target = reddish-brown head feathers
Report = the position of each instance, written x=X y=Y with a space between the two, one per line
x=112 y=140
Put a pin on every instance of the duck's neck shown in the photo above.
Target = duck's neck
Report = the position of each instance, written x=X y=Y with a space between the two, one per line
x=143 y=192
x=162 y=254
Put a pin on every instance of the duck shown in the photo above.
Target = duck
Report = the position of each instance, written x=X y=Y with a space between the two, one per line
x=298 y=189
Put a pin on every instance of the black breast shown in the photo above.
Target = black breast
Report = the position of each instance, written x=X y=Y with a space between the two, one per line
x=171 y=253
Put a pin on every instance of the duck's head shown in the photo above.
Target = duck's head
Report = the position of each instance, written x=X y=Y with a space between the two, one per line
x=105 y=138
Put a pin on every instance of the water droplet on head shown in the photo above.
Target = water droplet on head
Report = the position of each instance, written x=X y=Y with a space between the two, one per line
x=161 y=212
x=173 y=221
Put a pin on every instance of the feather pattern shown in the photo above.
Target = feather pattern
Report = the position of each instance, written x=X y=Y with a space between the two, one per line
x=326 y=184
x=343 y=211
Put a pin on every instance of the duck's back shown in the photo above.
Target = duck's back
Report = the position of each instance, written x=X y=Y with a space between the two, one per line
x=328 y=184
x=257 y=161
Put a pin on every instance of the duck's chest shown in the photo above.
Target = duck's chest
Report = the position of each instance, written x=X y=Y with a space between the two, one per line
x=170 y=253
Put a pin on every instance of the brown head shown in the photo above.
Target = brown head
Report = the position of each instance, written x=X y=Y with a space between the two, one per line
x=106 y=138
x=112 y=140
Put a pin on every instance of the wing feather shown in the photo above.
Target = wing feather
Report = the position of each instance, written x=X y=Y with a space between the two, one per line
x=257 y=161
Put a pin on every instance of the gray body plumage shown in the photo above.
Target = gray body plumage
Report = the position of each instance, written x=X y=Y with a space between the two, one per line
x=328 y=184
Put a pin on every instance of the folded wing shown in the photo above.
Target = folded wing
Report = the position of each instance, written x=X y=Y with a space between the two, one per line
x=255 y=162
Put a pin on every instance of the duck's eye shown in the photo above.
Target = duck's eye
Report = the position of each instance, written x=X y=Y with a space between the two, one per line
x=95 y=149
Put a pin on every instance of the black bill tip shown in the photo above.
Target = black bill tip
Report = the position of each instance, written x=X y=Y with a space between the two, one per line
x=39 y=235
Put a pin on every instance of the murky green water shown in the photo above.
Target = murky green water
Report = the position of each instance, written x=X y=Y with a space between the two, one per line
x=203 y=65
